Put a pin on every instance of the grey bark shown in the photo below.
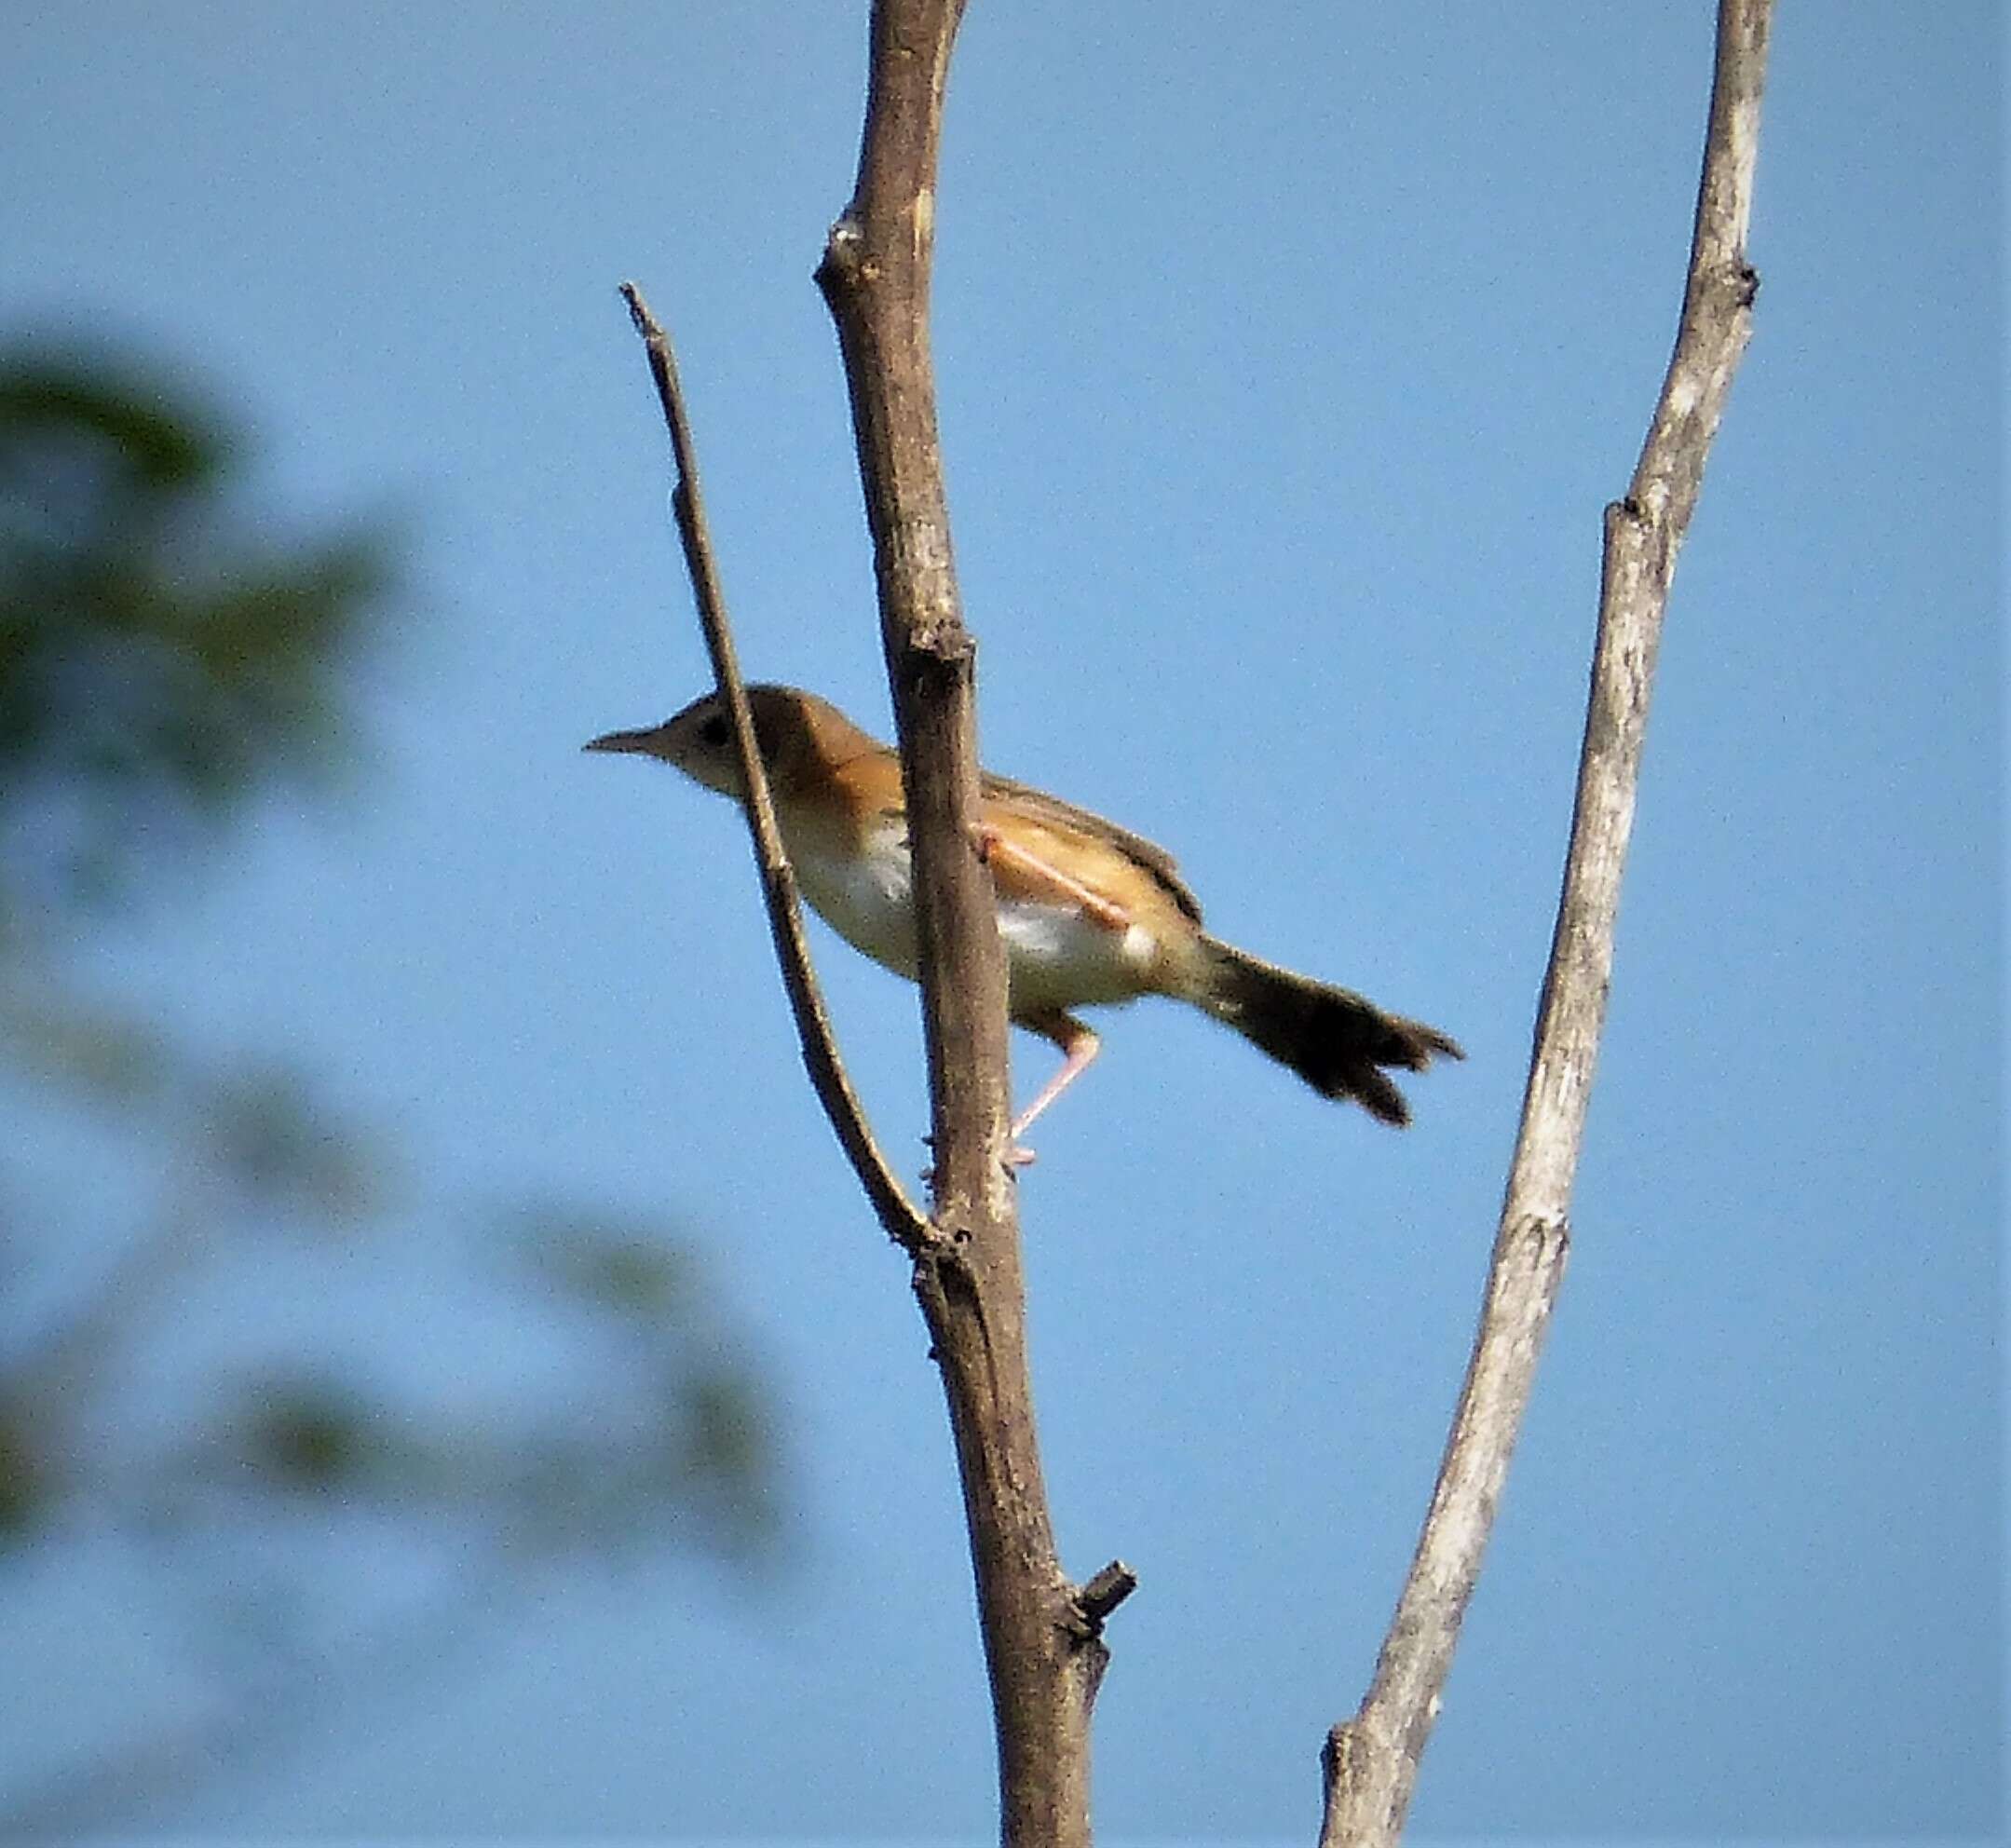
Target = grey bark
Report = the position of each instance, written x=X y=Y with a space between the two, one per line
x=1371 y=1761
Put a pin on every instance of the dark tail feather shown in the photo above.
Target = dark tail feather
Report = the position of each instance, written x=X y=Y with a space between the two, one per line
x=1332 y=1038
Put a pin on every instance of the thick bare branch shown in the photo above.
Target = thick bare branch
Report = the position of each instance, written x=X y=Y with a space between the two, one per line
x=833 y=1088
x=1041 y=1645
x=1371 y=1761
x=874 y=276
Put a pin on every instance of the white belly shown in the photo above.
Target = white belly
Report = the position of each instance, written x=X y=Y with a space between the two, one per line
x=1055 y=956
x=868 y=899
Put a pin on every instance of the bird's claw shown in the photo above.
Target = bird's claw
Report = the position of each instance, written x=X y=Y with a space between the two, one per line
x=1015 y=1158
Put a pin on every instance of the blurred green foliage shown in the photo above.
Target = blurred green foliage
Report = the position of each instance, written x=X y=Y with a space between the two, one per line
x=165 y=661
x=160 y=661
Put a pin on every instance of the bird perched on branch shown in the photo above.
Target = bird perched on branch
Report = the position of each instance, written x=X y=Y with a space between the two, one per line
x=1088 y=911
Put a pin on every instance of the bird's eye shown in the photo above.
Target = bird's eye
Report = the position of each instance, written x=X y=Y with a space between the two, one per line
x=716 y=731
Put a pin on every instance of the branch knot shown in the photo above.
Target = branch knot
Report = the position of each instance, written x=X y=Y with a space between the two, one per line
x=1104 y=1593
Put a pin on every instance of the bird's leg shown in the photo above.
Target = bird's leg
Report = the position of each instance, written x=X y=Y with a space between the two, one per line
x=1020 y=874
x=1079 y=1046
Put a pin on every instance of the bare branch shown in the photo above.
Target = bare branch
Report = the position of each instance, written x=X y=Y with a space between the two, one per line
x=1371 y=1761
x=1040 y=1642
x=833 y=1088
x=874 y=276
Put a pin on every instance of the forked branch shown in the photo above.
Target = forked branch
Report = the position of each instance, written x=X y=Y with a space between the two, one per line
x=1371 y=1761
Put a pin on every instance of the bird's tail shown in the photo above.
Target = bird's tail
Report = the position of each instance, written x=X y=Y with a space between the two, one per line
x=1332 y=1038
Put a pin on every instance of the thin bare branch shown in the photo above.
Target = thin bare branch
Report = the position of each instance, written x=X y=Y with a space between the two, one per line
x=1371 y=1761
x=833 y=1088
x=1041 y=1644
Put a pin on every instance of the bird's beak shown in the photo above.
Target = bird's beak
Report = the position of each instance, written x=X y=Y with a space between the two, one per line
x=648 y=741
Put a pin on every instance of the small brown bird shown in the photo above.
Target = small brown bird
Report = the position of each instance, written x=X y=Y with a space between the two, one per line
x=1089 y=912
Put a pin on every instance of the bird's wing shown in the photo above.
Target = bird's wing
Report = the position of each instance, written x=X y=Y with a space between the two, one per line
x=1065 y=818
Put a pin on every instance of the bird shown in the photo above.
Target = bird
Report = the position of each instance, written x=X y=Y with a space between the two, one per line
x=1089 y=912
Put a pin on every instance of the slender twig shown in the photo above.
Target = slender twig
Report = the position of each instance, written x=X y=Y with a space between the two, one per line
x=1371 y=1761
x=833 y=1088
x=1041 y=1642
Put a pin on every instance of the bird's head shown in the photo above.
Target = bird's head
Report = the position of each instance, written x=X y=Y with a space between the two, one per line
x=800 y=736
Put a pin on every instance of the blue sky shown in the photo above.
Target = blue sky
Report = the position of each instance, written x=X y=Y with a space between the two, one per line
x=1287 y=356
